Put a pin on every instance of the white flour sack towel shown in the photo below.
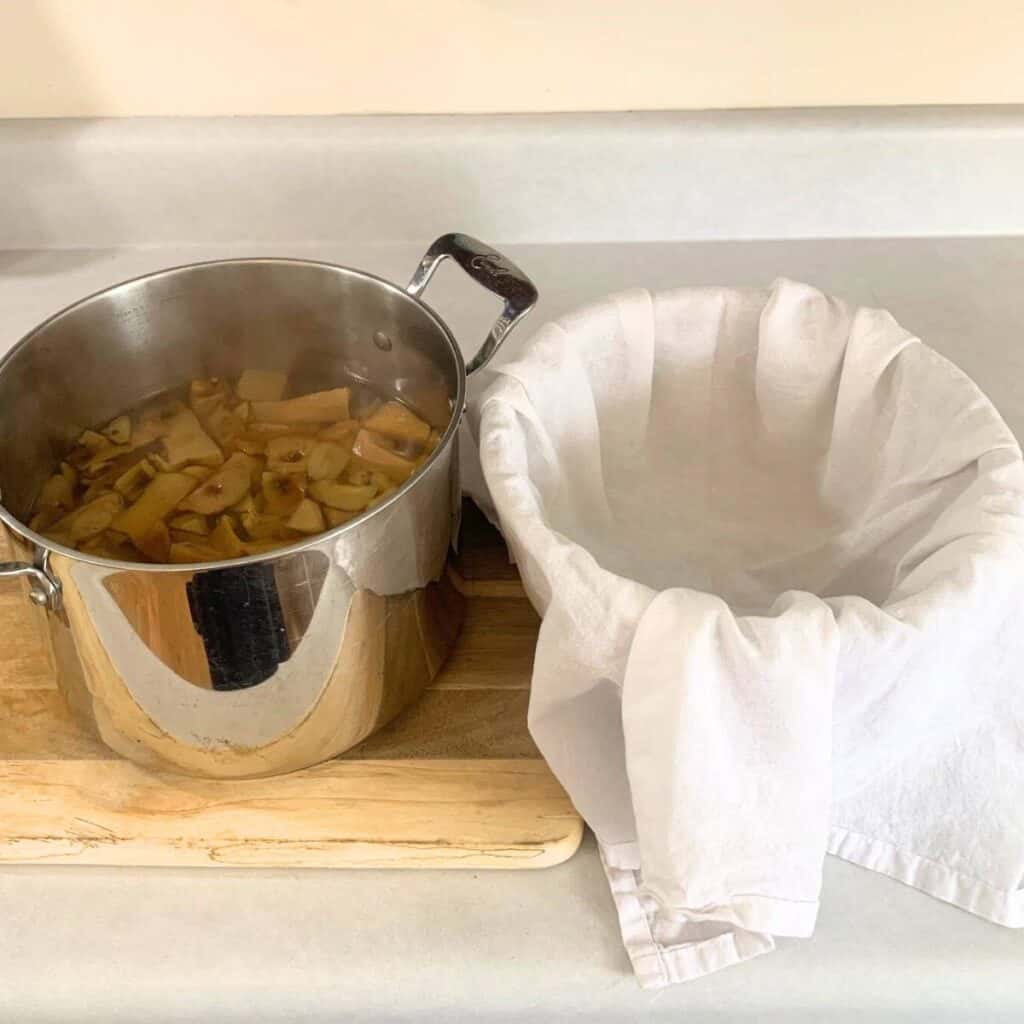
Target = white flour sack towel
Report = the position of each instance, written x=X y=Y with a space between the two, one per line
x=778 y=548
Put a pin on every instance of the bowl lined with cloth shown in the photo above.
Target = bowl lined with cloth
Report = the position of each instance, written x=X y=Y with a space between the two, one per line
x=778 y=547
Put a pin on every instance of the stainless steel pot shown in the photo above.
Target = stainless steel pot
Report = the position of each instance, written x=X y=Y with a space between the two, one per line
x=264 y=664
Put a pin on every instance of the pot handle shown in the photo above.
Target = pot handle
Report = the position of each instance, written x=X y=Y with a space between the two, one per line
x=43 y=589
x=487 y=267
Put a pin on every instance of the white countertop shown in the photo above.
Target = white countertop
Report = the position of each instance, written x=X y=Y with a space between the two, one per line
x=112 y=945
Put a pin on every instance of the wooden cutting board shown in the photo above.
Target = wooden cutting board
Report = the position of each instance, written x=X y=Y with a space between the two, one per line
x=454 y=782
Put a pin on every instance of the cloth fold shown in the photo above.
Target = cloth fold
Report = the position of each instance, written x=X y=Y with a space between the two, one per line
x=778 y=548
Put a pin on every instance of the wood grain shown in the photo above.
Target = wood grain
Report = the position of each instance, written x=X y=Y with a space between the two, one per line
x=453 y=782
x=488 y=814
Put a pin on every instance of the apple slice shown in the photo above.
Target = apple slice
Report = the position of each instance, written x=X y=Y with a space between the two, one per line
x=288 y=454
x=57 y=492
x=131 y=482
x=327 y=460
x=187 y=443
x=225 y=540
x=156 y=421
x=307 y=518
x=94 y=517
x=111 y=544
x=224 y=425
x=155 y=543
x=119 y=430
x=261 y=547
x=190 y=522
x=347 y=497
x=228 y=485
x=261 y=385
x=101 y=460
x=93 y=441
x=375 y=455
x=394 y=420
x=282 y=493
x=162 y=493
x=260 y=526
x=343 y=432
x=318 y=407
x=46 y=517
x=193 y=551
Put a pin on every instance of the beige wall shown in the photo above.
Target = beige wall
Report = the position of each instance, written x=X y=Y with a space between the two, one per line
x=124 y=57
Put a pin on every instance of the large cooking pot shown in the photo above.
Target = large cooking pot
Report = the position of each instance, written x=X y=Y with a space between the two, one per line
x=269 y=663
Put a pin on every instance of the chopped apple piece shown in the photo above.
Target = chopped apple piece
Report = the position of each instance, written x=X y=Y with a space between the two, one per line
x=156 y=421
x=394 y=420
x=57 y=492
x=269 y=430
x=307 y=518
x=261 y=547
x=133 y=479
x=260 y=526
x=101 y=460
x=247 y=504
x=261 y=385
x=225 y=540
x=190 y=522
x=69 y=473
x=119 y=430
x=346 y=497
x=289 y=454
x=242 y=411
x=155 y=543
x=45 y=518
x=94 y=441
x=199 y=472
x=184 y=551
x=370 y=450
x=95 y=490
x=282 y=492
x=342 y=433
x=206 y=394
x=357 y=476
x=187 y=442
x=228 y=485
x=110 y=544
x=249 y=444
x=327 y=460
x=94 y=517
x=257 y=467
x=224 y=425
x=318 y=407
x=162 y=493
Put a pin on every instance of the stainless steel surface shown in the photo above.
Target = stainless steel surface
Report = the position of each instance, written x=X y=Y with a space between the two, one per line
x=489 y=268
x=268 y=663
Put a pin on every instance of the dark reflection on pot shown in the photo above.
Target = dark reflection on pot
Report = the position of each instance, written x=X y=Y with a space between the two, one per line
x=238 y=615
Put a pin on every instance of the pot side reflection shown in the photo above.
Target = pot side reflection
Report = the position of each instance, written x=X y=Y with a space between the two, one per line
x=261 y=668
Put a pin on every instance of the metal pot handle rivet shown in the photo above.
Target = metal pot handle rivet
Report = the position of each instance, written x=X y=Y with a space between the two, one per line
x=44 y=589
x=487 y=266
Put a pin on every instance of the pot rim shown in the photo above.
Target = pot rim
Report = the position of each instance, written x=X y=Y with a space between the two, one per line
x=458 y=404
